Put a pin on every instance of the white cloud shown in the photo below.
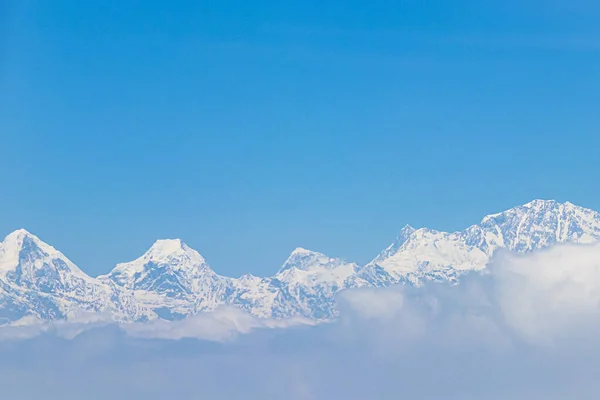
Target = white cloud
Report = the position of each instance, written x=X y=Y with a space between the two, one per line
x=224 y=324
x=551 y=293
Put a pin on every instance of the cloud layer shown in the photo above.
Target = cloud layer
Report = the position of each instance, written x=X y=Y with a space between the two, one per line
x=526 y=328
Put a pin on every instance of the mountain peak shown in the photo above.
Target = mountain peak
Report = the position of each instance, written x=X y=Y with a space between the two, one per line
x=28 y=260
x=17 y=240
x=540 y=207
x=407 y=230
x=392 y=249
x=303 y=259
x=171 y=251
x=19 y=234
x=301 y=251
x=169 y=266
x=405 y=233
x=547 y=203
x=167 y=246
x=540 y=223
x=540 y=202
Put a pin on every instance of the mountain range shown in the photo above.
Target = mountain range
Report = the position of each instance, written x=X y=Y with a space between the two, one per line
x=172 y=281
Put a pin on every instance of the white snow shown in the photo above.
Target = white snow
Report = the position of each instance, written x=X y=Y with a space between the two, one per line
x=171 y=280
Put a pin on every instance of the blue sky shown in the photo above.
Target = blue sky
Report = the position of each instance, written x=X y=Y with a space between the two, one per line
x=251 y=128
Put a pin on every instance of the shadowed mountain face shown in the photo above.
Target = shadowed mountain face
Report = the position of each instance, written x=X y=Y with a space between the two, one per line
x=172 y=280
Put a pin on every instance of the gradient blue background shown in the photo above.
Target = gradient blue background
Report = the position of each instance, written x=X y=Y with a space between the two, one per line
x=248 y=128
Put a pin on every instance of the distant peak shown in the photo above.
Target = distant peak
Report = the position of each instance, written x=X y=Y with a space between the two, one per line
x=168 y=245
x=19 y=237
x=550 y=203
x=407 y=230
x=301 y=251
x=540 y=202
x=20 y=233
x=304 y=259
x=164 y=252
x=167 y=248
x=554 y=204
x=408 y=227
x=248 y=277
x=22 y=240
x=404 y=234
x=538 y=206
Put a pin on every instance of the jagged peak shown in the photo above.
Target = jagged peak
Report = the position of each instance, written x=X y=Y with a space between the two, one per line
x=539 y=206
x=167 y=246
x=540 y=202
x=407 y=228
x=543 y=204
x=21 y=241
x=425 y=232
x=403 y=235
x=19 y=234
x=406 y=234
x=523 y=219
x=304 y=259
x=17 y=239
x=248 y=277
x=301 y=251
x=549 y=203
x=165 y=249
x=172 y=252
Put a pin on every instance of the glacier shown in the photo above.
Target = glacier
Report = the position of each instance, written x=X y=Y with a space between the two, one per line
x=172 y=281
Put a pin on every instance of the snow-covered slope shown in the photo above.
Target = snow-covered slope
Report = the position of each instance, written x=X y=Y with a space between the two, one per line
x=305 y=286
x=38 y=281
x=535 y=225
x=312 y=279
x=428 y=254
x=171 y=280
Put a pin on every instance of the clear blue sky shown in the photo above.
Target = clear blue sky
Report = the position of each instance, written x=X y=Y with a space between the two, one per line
x=248 y=128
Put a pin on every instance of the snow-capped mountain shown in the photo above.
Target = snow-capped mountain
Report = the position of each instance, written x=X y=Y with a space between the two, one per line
x=428 y=254
x=312 y=279
x=171 y=280
x=38 y=281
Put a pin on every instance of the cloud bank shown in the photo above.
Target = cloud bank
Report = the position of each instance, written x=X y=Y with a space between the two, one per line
x=526 y=328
